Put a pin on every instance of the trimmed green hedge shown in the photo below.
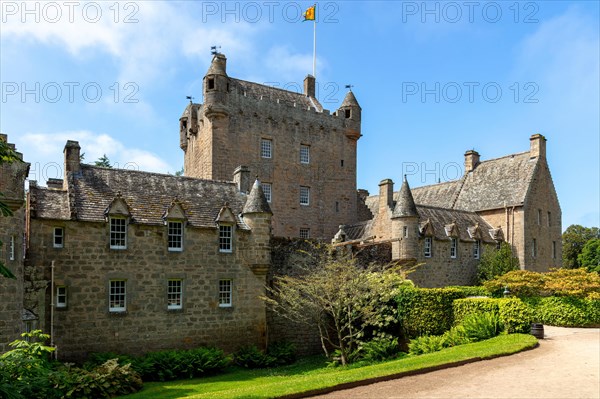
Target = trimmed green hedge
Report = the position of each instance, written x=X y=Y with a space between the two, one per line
x=475 y=290
x=566 y=311
x=426 y=311
x=515 y=315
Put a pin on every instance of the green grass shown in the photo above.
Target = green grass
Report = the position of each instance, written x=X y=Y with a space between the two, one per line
x=312 y=374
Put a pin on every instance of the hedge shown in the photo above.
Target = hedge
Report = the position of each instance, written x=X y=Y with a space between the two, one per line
x=426 y=311
x=566 y=311
x=515 y=315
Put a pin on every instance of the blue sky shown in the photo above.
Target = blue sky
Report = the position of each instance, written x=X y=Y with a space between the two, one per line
x=434 y=79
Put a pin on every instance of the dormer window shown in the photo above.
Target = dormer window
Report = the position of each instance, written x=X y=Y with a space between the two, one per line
x=118 y=232
x=210 y=83
x=225 y=238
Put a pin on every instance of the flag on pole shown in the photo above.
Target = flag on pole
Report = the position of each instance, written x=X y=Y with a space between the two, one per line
x=309 y=14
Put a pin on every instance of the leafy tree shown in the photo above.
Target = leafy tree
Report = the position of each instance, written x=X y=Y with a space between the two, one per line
x=574 y=239
x=343 y=300
x=590 y=255
x=496 y=263
x=179 y=172
x=7 y=155
x=103 y=161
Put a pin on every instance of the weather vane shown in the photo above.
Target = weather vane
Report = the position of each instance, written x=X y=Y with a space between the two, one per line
x=214 y=50
x=189 y=98
x=349 y=87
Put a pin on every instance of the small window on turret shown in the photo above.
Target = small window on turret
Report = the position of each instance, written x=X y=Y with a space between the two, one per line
x=348 y=113
x=211 y=83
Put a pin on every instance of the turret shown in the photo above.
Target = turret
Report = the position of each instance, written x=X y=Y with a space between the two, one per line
x=405 y=225
x=350 y=111
x=216 y=87
x=257 y=215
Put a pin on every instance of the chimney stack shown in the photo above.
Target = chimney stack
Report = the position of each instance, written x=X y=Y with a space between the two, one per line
x=309 y=86
x=72 y=155
x=471 y=160
x=538 y=146
x=241 y=176
x=386 y=195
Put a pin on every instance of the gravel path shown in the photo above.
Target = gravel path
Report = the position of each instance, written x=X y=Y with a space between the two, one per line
x=566 y=365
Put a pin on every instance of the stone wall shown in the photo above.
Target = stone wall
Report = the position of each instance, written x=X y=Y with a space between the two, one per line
x=86 y=264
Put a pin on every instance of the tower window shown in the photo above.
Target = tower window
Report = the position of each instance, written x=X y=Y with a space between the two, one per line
x=549 y=218
x=12 y=248
x=266 y=148
x=553 y=249
x=453 y=247
x=304 y=154
x=348 y=113
x=210 y=83
x=539 y=217
x=59 y=237
x=342 y=163
x=534 y=248
x=268 y=191
x=405 y=231
x=427 y=248
x=305 y=233
x=304 y=195
x=476 y=249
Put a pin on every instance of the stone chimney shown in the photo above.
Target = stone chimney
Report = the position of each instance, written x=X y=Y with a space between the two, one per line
x=471 y=160
x=241 y=176
x=309 y=86
x=55 y=184
x=72 y=155
x=386 y=195
x=538 y=146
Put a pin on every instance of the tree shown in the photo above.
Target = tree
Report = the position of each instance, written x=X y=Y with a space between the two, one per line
x=7 y=155
x=179 y=172
x=103 y=161
x=574 y=239
x=343 y=300
x=590 y=255
x=496 y=263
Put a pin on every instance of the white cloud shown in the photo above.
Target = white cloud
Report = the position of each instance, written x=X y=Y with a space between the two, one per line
x=44 y=152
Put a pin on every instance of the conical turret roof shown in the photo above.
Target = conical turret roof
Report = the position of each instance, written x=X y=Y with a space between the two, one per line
x=405 y=206
x=349 y=100
x=257 y=202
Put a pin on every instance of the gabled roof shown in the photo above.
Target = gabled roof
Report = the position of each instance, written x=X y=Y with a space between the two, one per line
x=147 y=195
x=263 y=92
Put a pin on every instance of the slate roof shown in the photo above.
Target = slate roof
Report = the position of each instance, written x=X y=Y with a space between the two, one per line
x=257 y=202
x=258 y=92
x=405 y=205
x=148 y=196
x=350 y=100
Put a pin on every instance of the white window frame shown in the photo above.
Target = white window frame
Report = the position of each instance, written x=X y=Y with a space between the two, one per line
x=174 y=294
x=268 y=191
x=61 y=235
x=174 y=235
x=477 y=249
x=428 y=246
x=61 y=296
x=304 y=233
x=453 y=247
x=266 y=148
x=11 y=253
x=226 y=238
x=304 y=154
x=113 y=232
x=225 y=293
x=117 y=295
x=304 y=195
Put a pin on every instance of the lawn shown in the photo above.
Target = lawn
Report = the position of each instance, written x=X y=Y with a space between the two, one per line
x=312 y=374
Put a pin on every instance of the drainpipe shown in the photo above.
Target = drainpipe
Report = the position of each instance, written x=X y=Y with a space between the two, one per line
x=52 y=308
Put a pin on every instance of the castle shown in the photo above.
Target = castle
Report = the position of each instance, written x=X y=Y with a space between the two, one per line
x=121 y=260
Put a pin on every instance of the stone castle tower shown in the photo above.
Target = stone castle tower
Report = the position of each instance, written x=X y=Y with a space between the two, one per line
x=304 y=155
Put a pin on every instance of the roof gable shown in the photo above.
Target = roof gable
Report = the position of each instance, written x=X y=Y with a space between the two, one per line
x=118 y=206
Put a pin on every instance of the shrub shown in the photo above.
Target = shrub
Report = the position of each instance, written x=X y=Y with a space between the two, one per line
x=468 y=291
x=565 y=311
x=378 y=349
x=425 y=344
x=426 y=311
x=251 y=357
x=283 y=352
x=515 y=315
x=454 y=337
x=481 y=326
x=495 y=263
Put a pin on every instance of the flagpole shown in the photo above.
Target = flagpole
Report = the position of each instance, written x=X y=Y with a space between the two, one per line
x=315 y=44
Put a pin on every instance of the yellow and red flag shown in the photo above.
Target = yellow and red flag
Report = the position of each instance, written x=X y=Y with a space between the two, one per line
x=309 y=14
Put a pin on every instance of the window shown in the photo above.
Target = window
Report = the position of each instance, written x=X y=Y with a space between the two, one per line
x=476 y=249
x=305 y=233
x=553 y=249
x=225 y=293
x=174 y=294
x=498 y=245
x=342 y=163
x=225 y=238
x=549 y=219
x=337 y=206
x=405 y=231
x=267 y=190
x=534 y=248
x=453 y=247
x=266 y=148
x=61 y=296
x=118 y=233
x=11 y=255
x=117 y=296
x=175 y=236
x=347 y=113
x=59 y=237
x=211 y=83
x=539 y=217
x=304 y=154
x=427 y=248
x=304 y=195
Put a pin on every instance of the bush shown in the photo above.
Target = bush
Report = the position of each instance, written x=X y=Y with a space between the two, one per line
x=426 y=344
x=482 y=326
x=515 y=315
x=378 y=349
x=283 y=352
x=454 y=337
x=426 y=311
x=253 y=358
x=497 y=262
x=468 y=291
x=565 y=311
